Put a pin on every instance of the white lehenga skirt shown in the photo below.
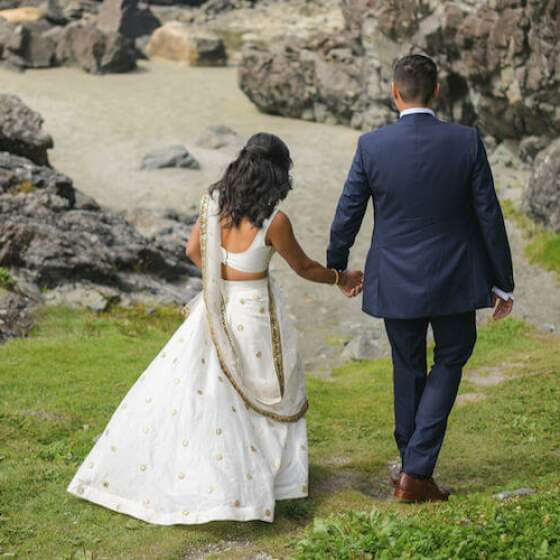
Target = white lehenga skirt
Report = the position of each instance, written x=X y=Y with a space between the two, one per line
x=183 y=447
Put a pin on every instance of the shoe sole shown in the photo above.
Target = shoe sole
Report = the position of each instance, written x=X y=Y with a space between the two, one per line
x=405 y=498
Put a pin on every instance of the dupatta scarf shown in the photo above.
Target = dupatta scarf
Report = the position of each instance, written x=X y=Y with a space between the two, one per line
x=289 y=403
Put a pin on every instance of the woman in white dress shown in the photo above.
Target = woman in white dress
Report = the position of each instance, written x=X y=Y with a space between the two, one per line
x=214 y=428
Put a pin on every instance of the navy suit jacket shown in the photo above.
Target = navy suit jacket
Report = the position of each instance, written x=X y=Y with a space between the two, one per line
x=439 y=243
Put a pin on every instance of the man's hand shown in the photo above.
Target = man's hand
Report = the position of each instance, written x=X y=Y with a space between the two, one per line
x=502 y=307
x=351 y=282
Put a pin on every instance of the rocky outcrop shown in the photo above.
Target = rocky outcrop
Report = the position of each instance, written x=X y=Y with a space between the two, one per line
x=197 y=47
x=542 y=195
x=499 y=65
x=126 y=17
x=57 y=245
x=95 y=51
x=21 y=131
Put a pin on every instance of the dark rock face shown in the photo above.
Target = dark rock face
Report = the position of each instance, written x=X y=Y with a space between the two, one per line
x=321 y=80
x=542 y=195
x=44 y=233
x=54 y=237
x=172 y=156
x=21 y=130
x=499 y=65
x=95 y=51
x=126 y=17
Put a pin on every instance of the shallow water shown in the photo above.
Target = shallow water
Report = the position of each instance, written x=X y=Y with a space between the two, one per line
x=104 y=125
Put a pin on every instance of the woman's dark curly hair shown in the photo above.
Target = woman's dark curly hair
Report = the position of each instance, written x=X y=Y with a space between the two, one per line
x=255 y=182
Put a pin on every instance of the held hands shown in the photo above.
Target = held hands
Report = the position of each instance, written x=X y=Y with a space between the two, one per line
x=351 y=283
x=503 y=307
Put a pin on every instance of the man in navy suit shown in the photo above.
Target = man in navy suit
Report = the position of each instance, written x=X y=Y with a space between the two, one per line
x=439 y=251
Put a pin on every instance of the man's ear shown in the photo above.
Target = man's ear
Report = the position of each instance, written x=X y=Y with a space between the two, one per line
x=436 y=90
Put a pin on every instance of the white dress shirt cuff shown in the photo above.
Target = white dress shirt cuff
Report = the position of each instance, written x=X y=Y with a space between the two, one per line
x=503 y=295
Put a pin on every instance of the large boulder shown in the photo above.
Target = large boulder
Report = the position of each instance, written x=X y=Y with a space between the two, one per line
x=542 y=195
x=127 y=17
x=320 y=80
x=178 y=41
x=21 y=131
x=95 y=51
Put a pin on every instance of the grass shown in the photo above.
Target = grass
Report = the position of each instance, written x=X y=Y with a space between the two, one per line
x=543 y=245
x=6 y=280
x=59 y=387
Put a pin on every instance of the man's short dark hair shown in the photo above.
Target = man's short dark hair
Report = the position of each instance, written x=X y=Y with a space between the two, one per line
x=415 y=75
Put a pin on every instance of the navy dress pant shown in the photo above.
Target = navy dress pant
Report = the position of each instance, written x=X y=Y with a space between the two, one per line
x=423 y=402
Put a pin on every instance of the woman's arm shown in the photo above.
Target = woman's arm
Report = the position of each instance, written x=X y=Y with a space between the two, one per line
x=281 y=236
x=193 y=246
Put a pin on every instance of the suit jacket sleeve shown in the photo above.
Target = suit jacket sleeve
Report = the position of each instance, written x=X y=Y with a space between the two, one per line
x=349 y=213
x=490 y=218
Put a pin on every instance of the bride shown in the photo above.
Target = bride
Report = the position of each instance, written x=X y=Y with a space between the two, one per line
x=214 y=428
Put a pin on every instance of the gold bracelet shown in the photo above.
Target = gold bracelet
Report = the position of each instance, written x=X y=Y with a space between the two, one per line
x=337 y=276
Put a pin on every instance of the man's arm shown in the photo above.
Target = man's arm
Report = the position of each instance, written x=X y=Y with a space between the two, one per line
x=349 y=213
x=491 y=220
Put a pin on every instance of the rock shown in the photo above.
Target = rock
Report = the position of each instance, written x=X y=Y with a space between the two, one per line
x=15 y=314
x=22 y=15
x=167 y=230
x=96 y=52
x=31 y=46
x=84 y=294
x=506 y=495
x=54 y=13
x=172 y=156
x=548 y=327
x=362 y=347
x=219 y=136
x=127 y=17
x=21 y=131
x=541 y=199
x=75 y=10
x=320 y=80
x=530 y=146
x=197 y=47
x=505 y=156
x=21 y=175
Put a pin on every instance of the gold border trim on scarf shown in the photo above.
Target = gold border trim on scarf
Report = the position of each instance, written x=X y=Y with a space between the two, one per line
x=276 y=337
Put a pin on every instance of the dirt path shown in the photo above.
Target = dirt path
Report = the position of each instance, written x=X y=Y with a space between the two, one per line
x=102 y=127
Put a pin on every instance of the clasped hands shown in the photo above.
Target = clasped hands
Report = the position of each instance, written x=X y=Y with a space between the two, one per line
x=351 y=283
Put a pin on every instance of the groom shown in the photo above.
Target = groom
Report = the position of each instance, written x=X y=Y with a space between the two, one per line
x=439 y=252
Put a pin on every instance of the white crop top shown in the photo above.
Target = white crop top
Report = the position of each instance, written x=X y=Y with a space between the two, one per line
x=256 y=258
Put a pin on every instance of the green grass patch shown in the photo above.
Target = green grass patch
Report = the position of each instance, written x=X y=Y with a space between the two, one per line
x=473 y=528
x=6 y=280
x=543 y=246
x=60 y=386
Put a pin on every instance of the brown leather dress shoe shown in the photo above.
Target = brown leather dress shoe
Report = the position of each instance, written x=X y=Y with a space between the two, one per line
x=414 y=490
